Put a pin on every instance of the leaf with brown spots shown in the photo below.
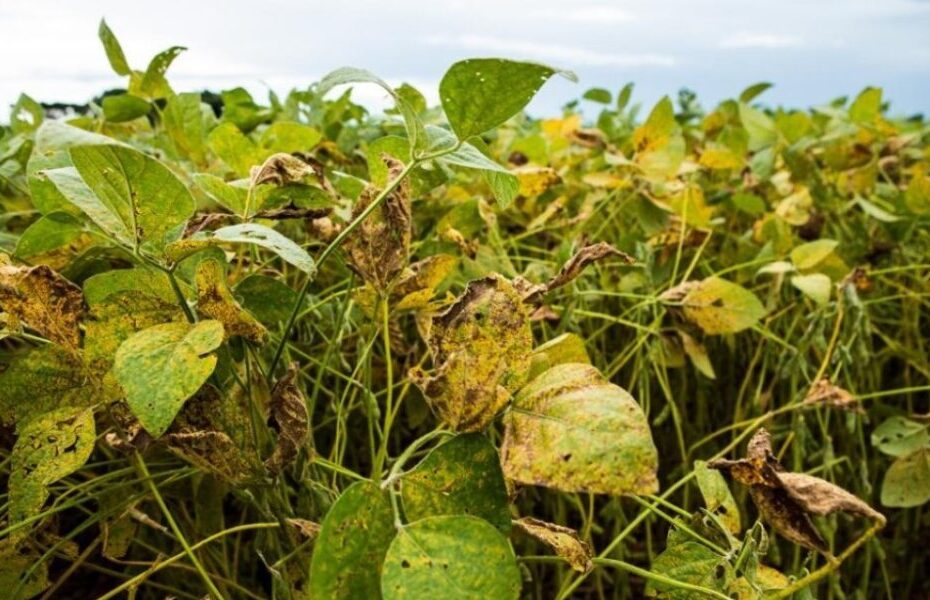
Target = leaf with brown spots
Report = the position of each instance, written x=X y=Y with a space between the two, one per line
x=281 y=169
x=564 y=541
x=480 y=347
x=379 y=247
x=289 y=417
x=716 y=305
x=572 y=430
x=785 y=500
x=572 y=269
x=215 y=301
x=43 y=300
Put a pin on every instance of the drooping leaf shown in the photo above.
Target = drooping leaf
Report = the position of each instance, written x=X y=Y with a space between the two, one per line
x=216 y=301
x=44 y=300
x=826 y=393
x=49 y=447
x=481 y=93
x=463 y=556
x=162 y=366
x=462 y=476
x=245 y=233
x=563 y=540
x=349 y=552
x=573 y=430
x=148 y=199
x=289 y=418
x=907 y=480
x=480 y=347
x=716 y=305
x=717 y=496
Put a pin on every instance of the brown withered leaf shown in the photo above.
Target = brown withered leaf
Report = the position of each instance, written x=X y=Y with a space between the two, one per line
x=826 y=393
x=281 y=169
x=289 y=417
x=480 y=347
x=292 y=211
x=571 y=270
x=378 y=248
x=43 y=300
x=786 y=500
x=308 y=529
x=216 y=301
x=564 y=541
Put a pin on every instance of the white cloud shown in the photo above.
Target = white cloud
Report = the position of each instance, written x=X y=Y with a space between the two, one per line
x=591 y=15
x=745 y=39
x=569 y=56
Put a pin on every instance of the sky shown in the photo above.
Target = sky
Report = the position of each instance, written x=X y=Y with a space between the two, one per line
x=812 y=50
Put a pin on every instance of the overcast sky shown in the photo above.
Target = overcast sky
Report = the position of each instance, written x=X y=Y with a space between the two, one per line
x=812 y=50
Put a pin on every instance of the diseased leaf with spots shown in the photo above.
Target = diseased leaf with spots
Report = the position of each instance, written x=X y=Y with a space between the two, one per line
x=899 y=436
x=50 y=232
x=690 y=562
x=216 y=301
x=564 y=541
x=162 y=366
x=566 y=348
x=21 y=569
x=349 y=552
x=717 y=496
x=43 y=300
x=463 y=556
x=462 y=476
x=289 y=418
x=572 y=430
x=907 y=480
x=49 y=447
x=480 y=347
x=716 y=305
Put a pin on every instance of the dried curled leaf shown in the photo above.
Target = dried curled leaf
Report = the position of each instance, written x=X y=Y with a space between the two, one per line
x=216 y=301
x=289 y=417
x=564 y=541
x=786 y=500
x=203 y=433
x=281 y=169
x=825 y=393
x=43 y=300
x=49 y=447
x=378 y=248
x=307 y=529
x=480 y=346
x=572 y=269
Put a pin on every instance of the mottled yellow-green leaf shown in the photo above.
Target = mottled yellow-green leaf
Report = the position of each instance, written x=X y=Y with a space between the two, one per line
x=480 y=347
x=234 y=148
x=534 y=180
x=717 y=305
x=697 y=354
x=907 y=480
x=49 y=447
x=563 y=540
x=717 y=496
x=15 y=561
x=815 y=286
x=573 y=430
x=809 y=255
x=349 y=552
x=162 y=366
x=43 y=300
x=111 y=321
x=462 y=476
x=215 y=301
x=465 y=557
x=690 y=562
x=659 y=145
x=566 y=348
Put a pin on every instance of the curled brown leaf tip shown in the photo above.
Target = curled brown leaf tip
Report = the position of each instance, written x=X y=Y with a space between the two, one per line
x=825 y=393
x=281 y=169
x=379 y=247
x=289 y=417
x=43 y=300
x=564 y=541
x=571 y=270
x=786 y=500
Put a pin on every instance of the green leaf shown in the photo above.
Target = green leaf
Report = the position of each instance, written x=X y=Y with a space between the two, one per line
x=245 y=233
x=898 y=436
x=907 y=481
x=759 y=126
x=234 y=148
x=149 y=200
x=462 y=476
x=161 y=367
x=481 y=93
x=720 y=306
x=53 y=140
x=50 y=232
x=623 y=97
x=809 y=255
x=26 y=116
x=186 y=122
x=269 y=299
x=124 y=107
x=153 y=84
x=566 y=348
x=690 y=562
x=815 y=286
x=504 y=184
x=228 y=194
x=753 y=91
x=573 y=430
x=68 y=184
x=290 y=136
x=867 y=106
x=349 y=552
x=50 y=447
x=103 y=285
x=717 y=496
x=463 y=556
x=113 y=49
x=599 y=95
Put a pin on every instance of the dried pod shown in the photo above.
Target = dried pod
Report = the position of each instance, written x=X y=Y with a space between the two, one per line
x=825 y=393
